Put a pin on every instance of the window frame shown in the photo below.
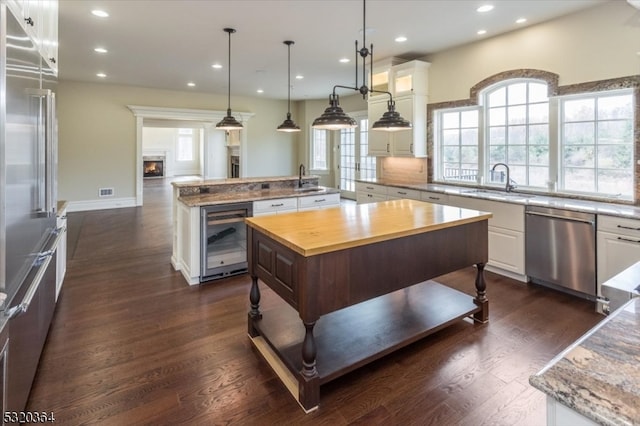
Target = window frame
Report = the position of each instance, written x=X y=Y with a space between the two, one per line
x=312 y=146
x=629 y=85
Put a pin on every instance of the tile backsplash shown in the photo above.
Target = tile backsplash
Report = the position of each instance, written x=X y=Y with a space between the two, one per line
x=404 y=169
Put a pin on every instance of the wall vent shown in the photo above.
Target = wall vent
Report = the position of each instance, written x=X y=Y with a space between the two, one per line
x=105 y=192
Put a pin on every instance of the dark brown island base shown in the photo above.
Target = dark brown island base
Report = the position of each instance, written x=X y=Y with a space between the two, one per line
x=353 y=284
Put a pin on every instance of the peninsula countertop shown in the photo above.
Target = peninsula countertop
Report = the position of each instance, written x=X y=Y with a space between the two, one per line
x=350 y=225
x=599 y=375
x=199 y=200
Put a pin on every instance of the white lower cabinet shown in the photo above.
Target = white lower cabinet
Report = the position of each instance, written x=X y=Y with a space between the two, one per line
x=434 y=197
x=275 y=206
x=506 y=234
x=316 y=202
x=61 y=251
x=395 y=193
x=617 y=245
x=370 y=193
x=561 y=415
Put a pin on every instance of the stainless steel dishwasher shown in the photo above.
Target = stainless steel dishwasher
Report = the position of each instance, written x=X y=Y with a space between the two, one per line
x=560 y=250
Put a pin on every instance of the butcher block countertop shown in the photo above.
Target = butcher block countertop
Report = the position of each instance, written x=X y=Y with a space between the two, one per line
x=315 y=232
x=599 y=375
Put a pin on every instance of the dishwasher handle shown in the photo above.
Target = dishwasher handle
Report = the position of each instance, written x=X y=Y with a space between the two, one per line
x=567 y=218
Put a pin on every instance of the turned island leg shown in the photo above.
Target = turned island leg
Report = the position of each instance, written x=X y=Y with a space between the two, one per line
x=309 y=392
x=254 y=299
x=481 y=295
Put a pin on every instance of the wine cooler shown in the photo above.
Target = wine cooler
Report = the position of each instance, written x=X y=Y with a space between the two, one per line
x=223 y=240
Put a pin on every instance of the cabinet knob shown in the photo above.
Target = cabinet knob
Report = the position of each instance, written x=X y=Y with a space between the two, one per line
x=29 y=21
x=53 y=60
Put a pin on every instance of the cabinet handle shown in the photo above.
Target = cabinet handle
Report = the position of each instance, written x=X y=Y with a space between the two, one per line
x=53 y=60
x=629 y=227
x=29 y=21
x=369 y=187
x=411 y=148
x=628 y=240
x=322 y=200
x=277 y=205
x=369 y=195
x=402 y=193
x=387 y=147
x=434 y=198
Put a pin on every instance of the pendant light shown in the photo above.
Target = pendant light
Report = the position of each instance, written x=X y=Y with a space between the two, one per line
x=334 y=118
x=229 y=122
x=288 y=125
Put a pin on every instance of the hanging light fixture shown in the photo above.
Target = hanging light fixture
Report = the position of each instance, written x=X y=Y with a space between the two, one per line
x=334 y=118
x=229 y=122
x=288 y=125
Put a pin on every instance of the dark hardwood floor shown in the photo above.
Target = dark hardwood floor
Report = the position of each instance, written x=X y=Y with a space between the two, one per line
x=132 y=343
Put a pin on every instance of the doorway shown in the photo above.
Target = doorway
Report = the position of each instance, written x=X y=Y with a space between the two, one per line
x=354 y=163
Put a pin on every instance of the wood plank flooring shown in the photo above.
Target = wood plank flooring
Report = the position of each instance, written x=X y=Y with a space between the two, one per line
x=132 y=344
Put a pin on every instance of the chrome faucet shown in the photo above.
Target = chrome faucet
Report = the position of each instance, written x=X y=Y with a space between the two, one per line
x=509 y=186
x=301 y=172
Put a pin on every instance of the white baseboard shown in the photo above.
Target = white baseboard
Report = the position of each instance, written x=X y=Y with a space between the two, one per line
x=112 y=203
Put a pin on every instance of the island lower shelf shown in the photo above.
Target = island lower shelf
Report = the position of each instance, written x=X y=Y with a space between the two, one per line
x=357 y=335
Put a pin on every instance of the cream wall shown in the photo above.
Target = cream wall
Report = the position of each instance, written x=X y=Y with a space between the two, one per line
x=97 y=136
x=596 y=44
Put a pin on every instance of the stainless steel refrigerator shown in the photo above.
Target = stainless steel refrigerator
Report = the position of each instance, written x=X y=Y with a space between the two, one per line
x=28 y=235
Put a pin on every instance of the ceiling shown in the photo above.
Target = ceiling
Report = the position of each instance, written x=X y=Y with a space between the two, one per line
x=166 y=44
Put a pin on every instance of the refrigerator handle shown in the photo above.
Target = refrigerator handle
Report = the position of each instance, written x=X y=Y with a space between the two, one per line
x=42 y=262
x=46 y=150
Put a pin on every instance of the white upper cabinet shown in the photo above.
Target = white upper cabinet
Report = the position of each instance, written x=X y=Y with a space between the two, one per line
x=407 y=83
x=39 y=18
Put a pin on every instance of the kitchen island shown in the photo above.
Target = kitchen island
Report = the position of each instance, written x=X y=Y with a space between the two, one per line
x=353 y=284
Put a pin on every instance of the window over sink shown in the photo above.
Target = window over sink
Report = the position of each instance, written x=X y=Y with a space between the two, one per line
x=575 y=143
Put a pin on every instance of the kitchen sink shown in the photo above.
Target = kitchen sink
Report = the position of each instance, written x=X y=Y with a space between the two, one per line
x=310 y=189
x=497 y=195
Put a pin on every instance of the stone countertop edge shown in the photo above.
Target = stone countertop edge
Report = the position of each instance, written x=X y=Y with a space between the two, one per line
x=586 y=206
x=598 y=375
x=227 y=181
x=199 y=200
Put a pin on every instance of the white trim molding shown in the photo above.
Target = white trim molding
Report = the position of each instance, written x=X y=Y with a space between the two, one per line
x=205 y=116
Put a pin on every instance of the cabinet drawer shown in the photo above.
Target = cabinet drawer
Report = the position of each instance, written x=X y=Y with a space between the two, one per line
x=397 y=193
x=317 y=201
x=619 y=225
x=371 y=188
x=275 y=205
x=434 y=197
x=365 y=197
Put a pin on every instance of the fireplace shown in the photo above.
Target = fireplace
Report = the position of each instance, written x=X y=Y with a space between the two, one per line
x=153 y=166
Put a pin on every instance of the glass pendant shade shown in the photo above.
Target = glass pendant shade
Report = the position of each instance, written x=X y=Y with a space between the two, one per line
x=334 y=117
x=229 y=122
x=391 y=121
x=288 y=125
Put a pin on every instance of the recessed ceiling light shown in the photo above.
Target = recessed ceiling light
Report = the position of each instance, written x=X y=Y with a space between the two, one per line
x=216 y=66
x=521 y=21
x=100 y=50
x=191 y=84
x=485 y=8
x=299 y=77
x=401 y=39
x=100 y=13
x=260 y=91
x=345 y=60
x=482 y=32
x=101 y=75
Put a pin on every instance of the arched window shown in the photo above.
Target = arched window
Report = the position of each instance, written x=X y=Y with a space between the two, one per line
x=517 y=132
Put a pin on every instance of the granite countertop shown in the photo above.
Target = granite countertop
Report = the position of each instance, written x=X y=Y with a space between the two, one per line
x=199 y=200
x=598 y=376
x=211 y=182
x=525 y=198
